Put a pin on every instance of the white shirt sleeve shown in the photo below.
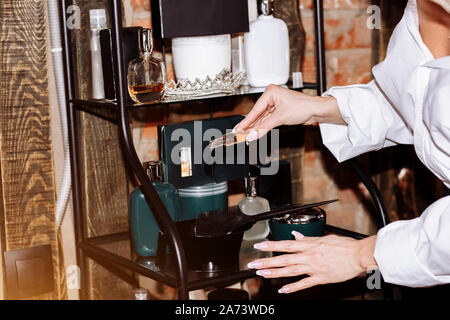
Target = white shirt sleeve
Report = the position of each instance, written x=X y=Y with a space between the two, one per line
x=372 y=123
x=416 y=252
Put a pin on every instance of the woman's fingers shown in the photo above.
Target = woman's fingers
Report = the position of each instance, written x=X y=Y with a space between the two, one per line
x=255 y=132
x=327 y=259
x=297 y=235
x=300 y=285
x=266 y=122
x=287 y=245
x=279 y=261
x=289 y=271
x=261 y=106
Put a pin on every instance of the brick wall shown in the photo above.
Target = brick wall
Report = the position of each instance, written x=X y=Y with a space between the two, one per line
x=348 y=44
x=316 y=175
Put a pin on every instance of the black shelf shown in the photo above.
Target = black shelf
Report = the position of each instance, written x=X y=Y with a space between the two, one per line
x=97 y=248
x=167 y=274
x=90 y=105
x=102 y=249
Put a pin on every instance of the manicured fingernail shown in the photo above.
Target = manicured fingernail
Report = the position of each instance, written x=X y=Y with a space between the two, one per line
x=234 y=129
x=284 y=290
x=260 y=245
x=263 y=273
x=254 y=265
x=297 y=235
x=253 y=135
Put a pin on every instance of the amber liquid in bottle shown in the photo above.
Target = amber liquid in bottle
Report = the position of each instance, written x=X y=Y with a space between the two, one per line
x=146 y=74
x=147 y=92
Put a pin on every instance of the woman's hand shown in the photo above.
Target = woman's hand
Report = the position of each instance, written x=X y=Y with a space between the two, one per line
x=281 y=106
x=327 y=259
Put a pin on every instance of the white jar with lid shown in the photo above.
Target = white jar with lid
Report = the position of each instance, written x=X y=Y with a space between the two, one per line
x=199 y=57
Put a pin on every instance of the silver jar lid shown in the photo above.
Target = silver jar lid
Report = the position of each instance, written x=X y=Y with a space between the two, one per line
x=302 y=217
x=154 y=170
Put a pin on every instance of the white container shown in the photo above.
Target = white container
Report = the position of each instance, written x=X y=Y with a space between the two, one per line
x=267 y=50
x=97 y=19
x=238 y=55
x=199 y=57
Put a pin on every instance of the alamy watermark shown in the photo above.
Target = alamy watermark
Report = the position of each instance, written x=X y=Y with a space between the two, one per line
x=374 y=20
x=73 y=21
x=374 y=279
x=73 y=277
x=74 y=17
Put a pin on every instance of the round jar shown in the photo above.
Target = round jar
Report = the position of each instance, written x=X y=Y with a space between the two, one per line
x=200 y=57
x=309 y=222
x=209 y=254
x=209 y=197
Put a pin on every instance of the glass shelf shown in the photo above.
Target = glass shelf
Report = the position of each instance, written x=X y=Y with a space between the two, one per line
x=86 y=105
x=105 y=248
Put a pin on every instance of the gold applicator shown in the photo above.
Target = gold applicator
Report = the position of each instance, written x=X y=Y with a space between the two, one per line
x=228 y=139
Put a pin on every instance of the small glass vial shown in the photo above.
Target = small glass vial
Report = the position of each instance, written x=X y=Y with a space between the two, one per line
x=252 y=205
x=146 y=74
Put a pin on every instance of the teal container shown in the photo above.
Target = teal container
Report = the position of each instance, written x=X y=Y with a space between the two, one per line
x=144 y=228
x=309 y=222
x=209 y=197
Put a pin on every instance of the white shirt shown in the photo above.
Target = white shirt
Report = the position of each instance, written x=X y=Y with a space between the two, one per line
x=407 y=103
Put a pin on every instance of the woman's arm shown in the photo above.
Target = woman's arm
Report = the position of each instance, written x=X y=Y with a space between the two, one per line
x=281 y=106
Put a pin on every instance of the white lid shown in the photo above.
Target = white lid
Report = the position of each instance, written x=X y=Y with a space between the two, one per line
x=224 y=39
x=97 y=19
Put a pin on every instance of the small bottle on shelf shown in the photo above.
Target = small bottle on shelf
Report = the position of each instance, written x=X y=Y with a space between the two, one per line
x=146 y=74
x=97 y=18
x=144 y=228
x=252 y=205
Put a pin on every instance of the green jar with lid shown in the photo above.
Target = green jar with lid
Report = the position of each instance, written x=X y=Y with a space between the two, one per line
x=208 y=197
x=309 y=222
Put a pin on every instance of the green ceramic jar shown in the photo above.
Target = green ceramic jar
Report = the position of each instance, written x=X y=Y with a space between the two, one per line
x=209 y=197
x=309 y=222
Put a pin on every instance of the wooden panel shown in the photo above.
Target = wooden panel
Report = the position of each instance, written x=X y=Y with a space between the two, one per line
x=104 y=180
x=26 y=167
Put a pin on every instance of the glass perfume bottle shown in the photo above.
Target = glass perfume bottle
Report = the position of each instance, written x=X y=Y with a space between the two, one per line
x=146 y=74
x=144 y=228
x=252 y=205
